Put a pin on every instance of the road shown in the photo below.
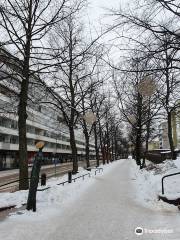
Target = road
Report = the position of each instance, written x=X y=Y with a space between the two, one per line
x=12 y=175
x=107 y=210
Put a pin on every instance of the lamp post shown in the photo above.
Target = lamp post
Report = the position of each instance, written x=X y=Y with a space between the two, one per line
x=90 y=119
x=31 y=202
x=146 y=88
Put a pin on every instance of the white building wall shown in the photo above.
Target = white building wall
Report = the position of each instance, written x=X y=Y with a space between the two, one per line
x=40 y=126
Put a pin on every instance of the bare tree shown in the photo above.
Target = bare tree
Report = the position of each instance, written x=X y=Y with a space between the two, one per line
x=89 y=96
x=24 y=25
x=162 y=48
x=73 y=71
x=136 y=109
x=96 y=102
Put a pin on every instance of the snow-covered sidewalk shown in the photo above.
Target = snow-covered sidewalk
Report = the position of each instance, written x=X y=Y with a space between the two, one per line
x=100 y=208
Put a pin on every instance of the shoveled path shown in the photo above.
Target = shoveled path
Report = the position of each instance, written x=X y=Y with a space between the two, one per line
x=106 y=211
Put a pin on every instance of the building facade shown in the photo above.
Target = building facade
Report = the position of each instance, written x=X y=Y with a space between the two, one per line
x=163 y=131
x=44 y=123
x=163 y=136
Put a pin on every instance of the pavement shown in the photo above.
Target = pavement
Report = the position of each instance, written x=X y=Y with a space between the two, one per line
x=107 y=210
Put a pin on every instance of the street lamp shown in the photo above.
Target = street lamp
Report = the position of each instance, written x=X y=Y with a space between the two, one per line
x=90 y=119
x=147 y=87
x=132 y=119
x=31 y=202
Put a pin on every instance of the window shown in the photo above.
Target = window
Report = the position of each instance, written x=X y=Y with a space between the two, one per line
x=39 y=108
x=4 y=138
x=14 y=124
x=14 y=140
x=30 y=129
x=30 y=142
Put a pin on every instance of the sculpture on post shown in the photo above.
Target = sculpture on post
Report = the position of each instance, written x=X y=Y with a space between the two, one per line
x=31 y=202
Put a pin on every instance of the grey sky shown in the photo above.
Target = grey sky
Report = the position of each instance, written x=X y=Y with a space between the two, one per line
x=96 y=7
x=96 y=16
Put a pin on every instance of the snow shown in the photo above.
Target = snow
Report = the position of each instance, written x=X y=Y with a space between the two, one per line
x=148 y=186
x=171 y=196
x=102 y=207
x=57 y=197
x=56 y=194
x=11 y=199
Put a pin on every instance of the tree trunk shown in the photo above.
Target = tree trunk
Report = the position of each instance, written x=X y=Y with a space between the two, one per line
x=86 y=135
x=87 y=150
x=96 y=145
x=22 y=114
x=168 y=91
x=147 y=142
x=170 y=137
x=115 y=146
x=147 y=135
x=101 y=143
x=139 y=131
x=112 y=147
x=138 y=149
x=148 y=125
x=108 y=143
x=23 y=158
x=73 y=149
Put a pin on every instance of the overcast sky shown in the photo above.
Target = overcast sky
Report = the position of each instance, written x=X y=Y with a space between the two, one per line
x=97 y=7
x=97 y=10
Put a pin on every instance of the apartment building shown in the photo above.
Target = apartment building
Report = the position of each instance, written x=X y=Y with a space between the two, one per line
x=163 y=135
x=163 y=131
x=44 y=123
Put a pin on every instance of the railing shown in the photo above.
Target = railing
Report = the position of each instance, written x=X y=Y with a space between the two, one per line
x=3 y=186
x=46 y=188
x=98 y=169
x=74 y=179
x=169 y=175
x=50 y=176
x=82 y=176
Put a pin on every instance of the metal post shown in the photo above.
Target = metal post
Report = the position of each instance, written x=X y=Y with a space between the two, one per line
x=70 y=177
x=163 y=186
x=43 y=179
x=31 y=202
x=55 y=166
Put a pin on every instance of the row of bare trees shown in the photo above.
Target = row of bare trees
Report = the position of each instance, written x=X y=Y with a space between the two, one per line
x=148 y=37
x=47 y=58
x=24 y=26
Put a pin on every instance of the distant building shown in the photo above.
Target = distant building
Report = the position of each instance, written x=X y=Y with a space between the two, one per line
x=154 y=144
x=163 y=136
x=163 y=131
x=176 y=127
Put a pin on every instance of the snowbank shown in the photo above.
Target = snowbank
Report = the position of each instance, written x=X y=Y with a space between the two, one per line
x=148 y=183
